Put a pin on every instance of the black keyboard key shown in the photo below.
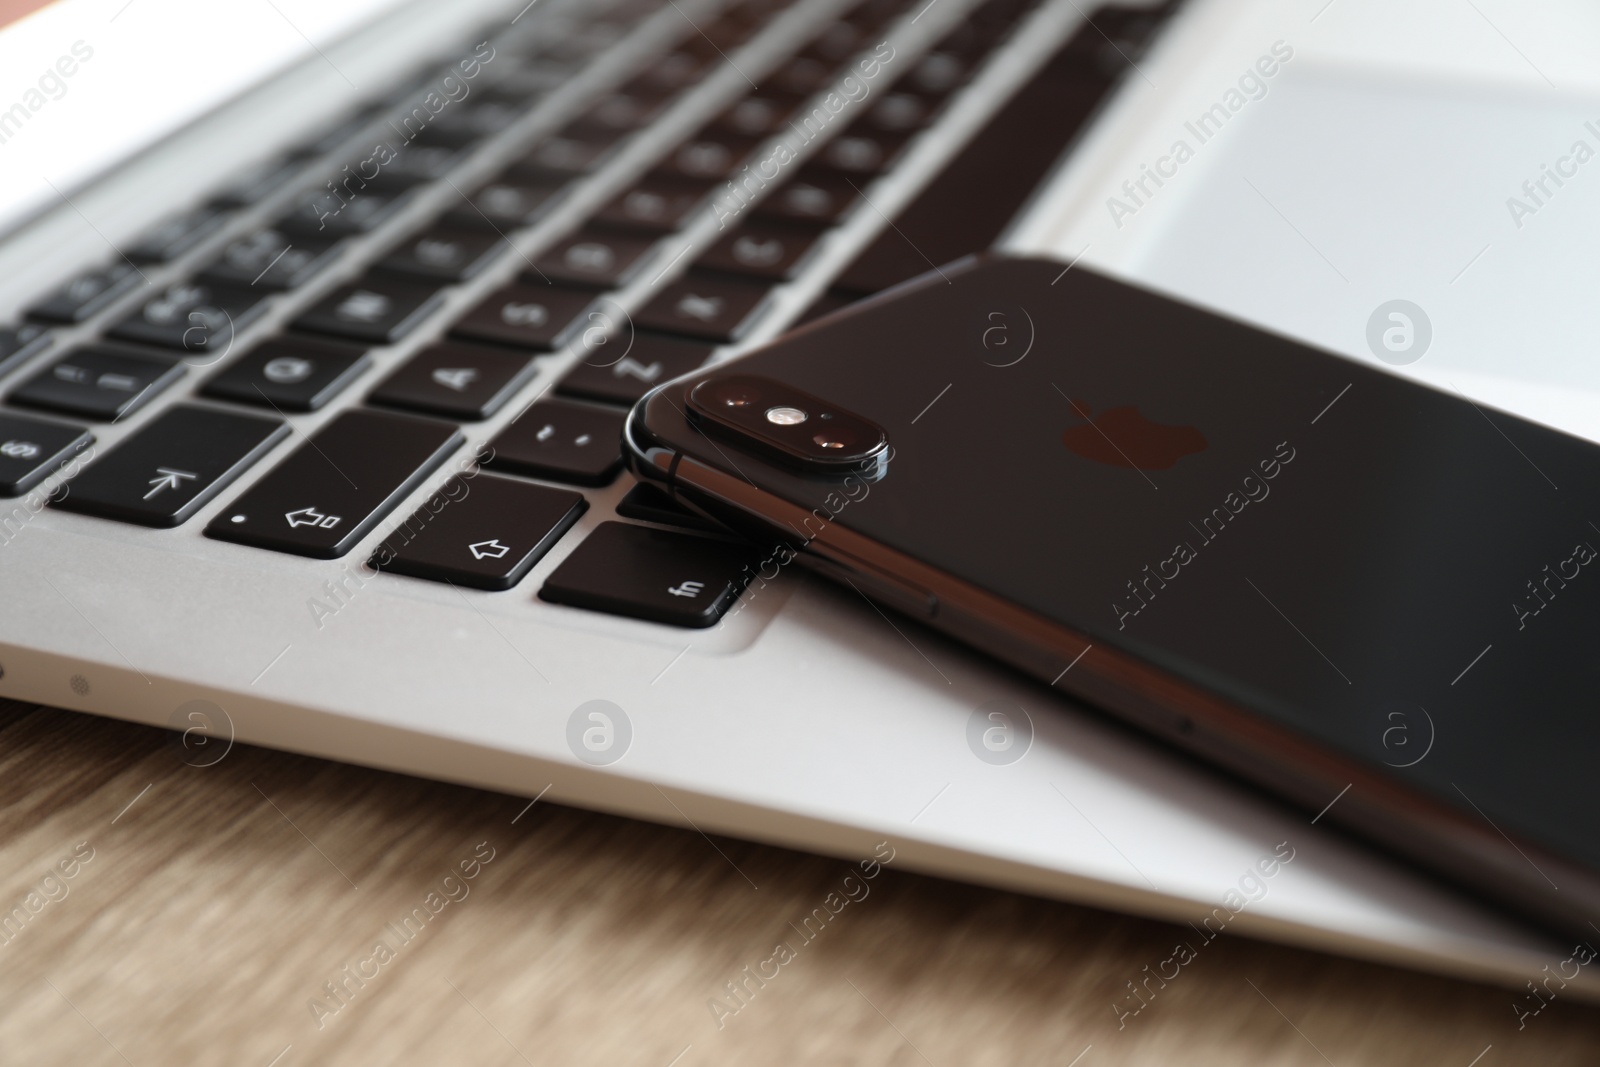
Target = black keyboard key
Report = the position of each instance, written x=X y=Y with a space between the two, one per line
x=436 y=152
x=594 y=257
x=98 y=383
x=456 y=380
x=568 y=154
x=446 y=254
x=670 y=73
x=32 y=449
x=526 y=315
x=19 y=343
x=290 y=374
x=710 y=155
x=815 y=195
x=486 y=532
x=378 y=310
x=967 y=206
x=898 y=112
x=622 y=377
x=88 y=294
x=329 y=215
x=802 y=75
x=198 y=319
x=562 y=441
x=649 y=503
x=759 y=114
x=173 y=465
x=509 y=205
x=272 y=260
x=705 y=306
x=259 y=182
x=658 y=575
x=861 y=153
x=334 y=489
x=763 y=249
x=177 y=235
x=620 y=113
x=479 y=119
x=658 y=204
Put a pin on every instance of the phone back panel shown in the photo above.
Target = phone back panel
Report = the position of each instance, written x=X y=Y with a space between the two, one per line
x=1382 y=567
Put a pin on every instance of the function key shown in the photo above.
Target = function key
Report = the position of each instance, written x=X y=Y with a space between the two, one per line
x=657 y=575
x=378 y=311
x=815 y=195
x=199 y=319
x=98 y=383
x=484 y=533
x=177 y=235
x=562 y=441
x=333 y=489
x=19 y=343
x=705 y=306
x=173 y=465
x=763 y=249
x=32 y=449
x=88 y=294
x=272 y=260
x=509 y=205
x=526 y=315
x=593 y=257
x=658 y=204
x=290 y=374
x=456 y=380
x=646 y=362
x=446 y=254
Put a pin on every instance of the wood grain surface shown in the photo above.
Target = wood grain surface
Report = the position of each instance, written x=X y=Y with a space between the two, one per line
x=232 y=914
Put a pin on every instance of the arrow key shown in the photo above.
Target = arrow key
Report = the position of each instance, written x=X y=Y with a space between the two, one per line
x=485 y=532
x=456 y=380
x=175 y=463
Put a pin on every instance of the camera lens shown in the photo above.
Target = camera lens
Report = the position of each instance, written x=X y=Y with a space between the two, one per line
x=785 y=416
x=834 y=439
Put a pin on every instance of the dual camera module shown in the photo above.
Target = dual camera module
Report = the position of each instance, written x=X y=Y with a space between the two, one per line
x=787 y=424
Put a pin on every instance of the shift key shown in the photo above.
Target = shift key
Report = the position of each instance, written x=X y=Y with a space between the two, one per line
x=335 y=488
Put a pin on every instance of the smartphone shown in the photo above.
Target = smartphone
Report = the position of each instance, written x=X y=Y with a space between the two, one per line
x=1377 y=599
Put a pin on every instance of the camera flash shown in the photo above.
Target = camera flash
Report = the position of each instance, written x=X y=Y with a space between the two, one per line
x=785 y=416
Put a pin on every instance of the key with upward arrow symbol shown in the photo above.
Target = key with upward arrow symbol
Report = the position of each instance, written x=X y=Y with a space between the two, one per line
x=194 y=452
x=167 y=478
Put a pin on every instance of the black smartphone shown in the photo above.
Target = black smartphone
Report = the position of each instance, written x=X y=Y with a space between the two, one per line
x=1377 y=599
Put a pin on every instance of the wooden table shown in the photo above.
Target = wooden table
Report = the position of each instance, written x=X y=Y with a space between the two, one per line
x=232 y=915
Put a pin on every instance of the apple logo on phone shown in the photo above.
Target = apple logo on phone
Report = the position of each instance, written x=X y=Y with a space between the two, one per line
x=1125 y=437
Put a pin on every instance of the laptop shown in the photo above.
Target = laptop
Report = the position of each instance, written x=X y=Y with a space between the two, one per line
x=318 y=326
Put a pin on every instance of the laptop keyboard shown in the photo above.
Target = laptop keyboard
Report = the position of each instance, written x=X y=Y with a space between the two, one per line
x=229 y=407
